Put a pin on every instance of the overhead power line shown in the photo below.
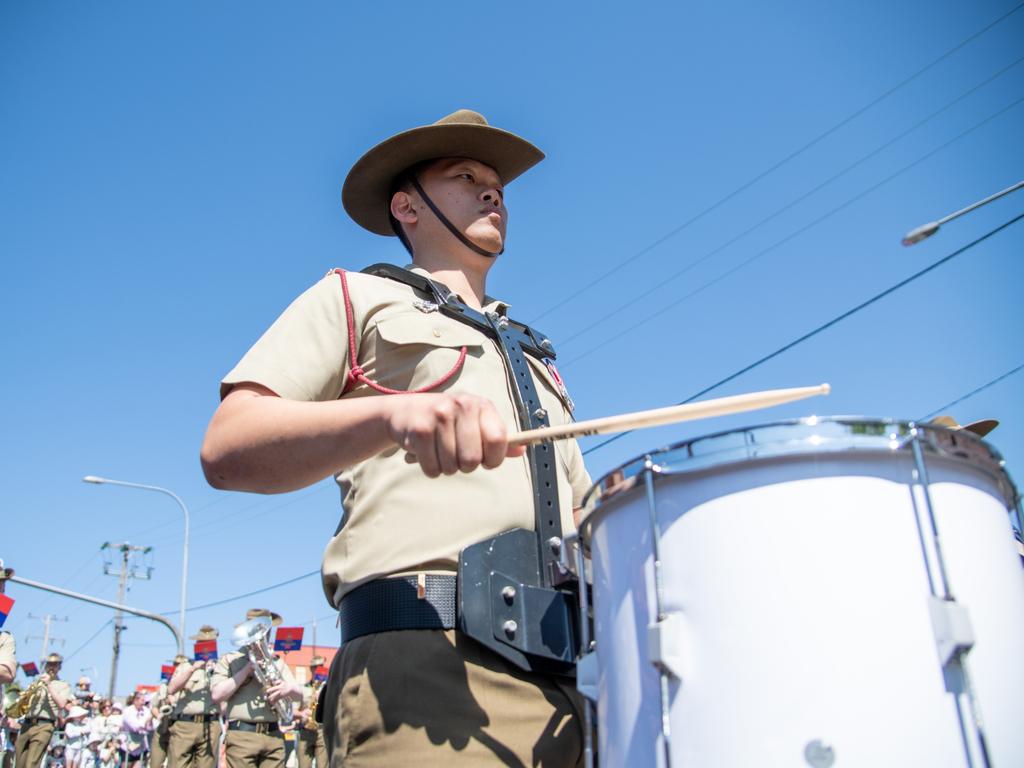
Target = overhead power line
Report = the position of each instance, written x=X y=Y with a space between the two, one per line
x=662 y=280
x=92 y=637
x=746 y=262
x=830 y=323
x=793 y=155
x=246 y=594
x=972 y=393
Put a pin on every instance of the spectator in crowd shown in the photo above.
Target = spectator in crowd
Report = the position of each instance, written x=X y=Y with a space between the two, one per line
x=102 y=724
x=83 y=690
x=91 y=751
x=109 y=753
x=54 y=757
x=76 y=733
x=136 y=725
x=10 y=726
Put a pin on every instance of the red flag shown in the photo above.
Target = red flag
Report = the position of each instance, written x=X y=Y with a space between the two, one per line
x=206 y=650
x=288 y=639
x=30 y=668
x=166 y=670
x=6 y=603
x=320 y=673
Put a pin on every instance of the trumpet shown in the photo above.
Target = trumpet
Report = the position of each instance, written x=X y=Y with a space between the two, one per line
x=251 y=637
x=26 y=699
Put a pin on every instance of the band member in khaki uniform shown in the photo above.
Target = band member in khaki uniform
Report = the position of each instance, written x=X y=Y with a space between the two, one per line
x=41 y=718
x=365 y=370
x=162 y=706
x=195 y=720
x=8 y=662
x=8 y=669
x=310 y=733
x=254 y=737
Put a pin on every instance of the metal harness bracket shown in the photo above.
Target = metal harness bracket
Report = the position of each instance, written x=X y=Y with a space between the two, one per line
x=954 y=635
x=664 y=645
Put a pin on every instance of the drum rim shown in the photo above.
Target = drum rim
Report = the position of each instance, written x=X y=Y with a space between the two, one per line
x=994 y=464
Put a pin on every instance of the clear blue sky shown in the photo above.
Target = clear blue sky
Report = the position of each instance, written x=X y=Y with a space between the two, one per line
x=170 y=179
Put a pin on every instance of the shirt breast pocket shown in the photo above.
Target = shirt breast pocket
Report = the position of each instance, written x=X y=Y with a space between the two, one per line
x=416 y=350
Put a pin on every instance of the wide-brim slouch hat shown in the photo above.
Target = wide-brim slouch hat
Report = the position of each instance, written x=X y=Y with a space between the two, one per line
x=981 y=427
x=261 y=613
x=367 y=191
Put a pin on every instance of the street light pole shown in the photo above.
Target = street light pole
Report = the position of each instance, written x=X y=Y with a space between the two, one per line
x=918 y=234
x=184 y=557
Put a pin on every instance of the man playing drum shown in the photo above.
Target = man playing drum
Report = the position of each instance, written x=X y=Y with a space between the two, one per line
x=364 y=371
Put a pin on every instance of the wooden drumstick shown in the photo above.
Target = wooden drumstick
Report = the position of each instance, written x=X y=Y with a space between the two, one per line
x=655 y=417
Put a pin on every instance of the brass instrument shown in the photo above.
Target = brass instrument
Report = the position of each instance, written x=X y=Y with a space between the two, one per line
x=311 y=723
x=26 y=699
x=251 y=637
x=12 y=694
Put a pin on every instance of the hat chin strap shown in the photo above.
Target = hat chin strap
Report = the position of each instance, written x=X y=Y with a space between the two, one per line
x=451 y=227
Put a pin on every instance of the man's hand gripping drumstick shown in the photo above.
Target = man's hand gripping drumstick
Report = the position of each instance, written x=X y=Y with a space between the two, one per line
x=655 y=417
x=260 y=442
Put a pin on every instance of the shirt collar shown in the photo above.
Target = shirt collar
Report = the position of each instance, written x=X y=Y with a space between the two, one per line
x=491 y=304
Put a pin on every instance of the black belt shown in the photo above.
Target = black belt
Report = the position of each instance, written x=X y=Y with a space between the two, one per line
x=388 y=605
x=34 y=720
x=243 y=725
x=193 y=718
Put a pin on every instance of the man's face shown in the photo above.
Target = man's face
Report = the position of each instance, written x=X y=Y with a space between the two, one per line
x=52 y=668
x=471 y=195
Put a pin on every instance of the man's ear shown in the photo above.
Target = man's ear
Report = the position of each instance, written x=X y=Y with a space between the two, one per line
x=402 y=208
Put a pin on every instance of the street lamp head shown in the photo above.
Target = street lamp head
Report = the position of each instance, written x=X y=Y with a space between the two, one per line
x=93 y=479
x=921 y=233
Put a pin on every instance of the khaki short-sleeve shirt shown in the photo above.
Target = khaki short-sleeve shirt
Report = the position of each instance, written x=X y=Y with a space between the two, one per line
x=7 y=651
x=42 y=703
x=395 y=519
x=250 y=701
x=194 y=698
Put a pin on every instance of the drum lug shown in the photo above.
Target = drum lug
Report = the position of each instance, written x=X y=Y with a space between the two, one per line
x=665 y=644
x=954 y=635
x=586 y=676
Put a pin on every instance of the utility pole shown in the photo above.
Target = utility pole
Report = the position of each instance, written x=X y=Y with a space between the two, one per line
x=47 y=620
x=129 y=570
x=314 y=637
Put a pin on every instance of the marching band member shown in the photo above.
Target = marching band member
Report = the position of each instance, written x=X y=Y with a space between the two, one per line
x=311 y=744
x=161 y=706
x=44 y=709
x=195 y=721
x=8 y=662
x=254 y=737
x=8 y=669
x=363 y=369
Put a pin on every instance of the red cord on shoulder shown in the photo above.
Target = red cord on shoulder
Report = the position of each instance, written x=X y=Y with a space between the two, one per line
x=355 y=373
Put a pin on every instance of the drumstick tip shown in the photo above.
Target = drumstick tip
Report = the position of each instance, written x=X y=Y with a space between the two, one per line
x=825 y=388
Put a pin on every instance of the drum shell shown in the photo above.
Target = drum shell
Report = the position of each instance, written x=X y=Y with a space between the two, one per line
x=800 y=588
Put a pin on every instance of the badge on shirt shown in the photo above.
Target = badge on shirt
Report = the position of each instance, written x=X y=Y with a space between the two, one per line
x=166 y=670
x=561 y=385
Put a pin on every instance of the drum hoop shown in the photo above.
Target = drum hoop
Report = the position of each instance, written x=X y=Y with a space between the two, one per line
x=892 y=435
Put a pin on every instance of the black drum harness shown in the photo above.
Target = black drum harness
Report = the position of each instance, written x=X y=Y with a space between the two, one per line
x=512 y=592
